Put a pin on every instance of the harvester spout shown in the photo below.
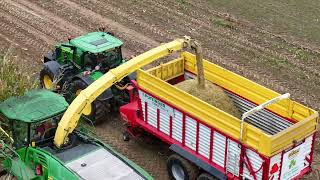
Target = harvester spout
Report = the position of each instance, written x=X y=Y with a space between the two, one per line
x=199 y=59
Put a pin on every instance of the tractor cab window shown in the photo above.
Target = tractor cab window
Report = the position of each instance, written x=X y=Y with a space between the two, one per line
x=45 y=130
x=58 y=52
x=20 y=134
x=102 y=61
x=89 y=61
x=110 y=59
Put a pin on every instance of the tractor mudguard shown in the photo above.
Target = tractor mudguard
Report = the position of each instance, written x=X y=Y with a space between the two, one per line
x=106 y=95
x=53 y=66
x=48 y=57
x=88 y=80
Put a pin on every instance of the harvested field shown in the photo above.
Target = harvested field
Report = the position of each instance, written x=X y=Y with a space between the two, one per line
x=285 y=63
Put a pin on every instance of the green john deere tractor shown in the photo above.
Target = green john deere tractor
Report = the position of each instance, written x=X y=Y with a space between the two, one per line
x=29 y=153
x=75 y=64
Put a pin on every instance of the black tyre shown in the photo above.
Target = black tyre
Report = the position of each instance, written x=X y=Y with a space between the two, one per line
x=46 y=78
x=47 y=74
x=98 y=111
x=181 y=169
x=206 y=176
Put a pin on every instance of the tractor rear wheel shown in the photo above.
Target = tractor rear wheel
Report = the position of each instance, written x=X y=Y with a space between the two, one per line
x=97 y=111
x=181 y=169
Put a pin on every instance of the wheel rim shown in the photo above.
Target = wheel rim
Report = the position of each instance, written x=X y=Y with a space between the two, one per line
x=177 y=172
x=88 y=109
x=47 y=82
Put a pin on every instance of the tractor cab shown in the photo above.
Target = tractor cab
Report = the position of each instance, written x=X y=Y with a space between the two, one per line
x=33 y=118
x=96 y=51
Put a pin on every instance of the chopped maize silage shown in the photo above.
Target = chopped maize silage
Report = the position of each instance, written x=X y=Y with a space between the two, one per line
x=212 y=95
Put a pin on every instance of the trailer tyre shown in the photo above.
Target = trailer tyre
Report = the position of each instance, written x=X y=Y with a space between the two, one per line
x=181 y=169
x=206 y=176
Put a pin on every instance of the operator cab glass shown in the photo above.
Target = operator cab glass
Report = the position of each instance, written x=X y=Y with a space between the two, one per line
x=40 y=132
x=43 y=132
x=104 y=60
x=111 y=58
x=20 y=134
x=32 y=117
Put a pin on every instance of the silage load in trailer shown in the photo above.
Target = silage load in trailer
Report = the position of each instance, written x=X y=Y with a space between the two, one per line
x=211 y=94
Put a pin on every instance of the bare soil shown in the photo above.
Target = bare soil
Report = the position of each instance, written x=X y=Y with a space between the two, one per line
x=32 y=27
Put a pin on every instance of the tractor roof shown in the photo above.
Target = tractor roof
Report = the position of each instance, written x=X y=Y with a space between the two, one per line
x=96 y=42
x=33 y=106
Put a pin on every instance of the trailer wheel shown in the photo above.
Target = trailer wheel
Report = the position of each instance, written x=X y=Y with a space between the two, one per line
x=206 y=176
x=181 y=169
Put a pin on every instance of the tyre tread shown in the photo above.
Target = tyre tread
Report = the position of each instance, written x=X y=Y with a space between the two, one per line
x=192 y=170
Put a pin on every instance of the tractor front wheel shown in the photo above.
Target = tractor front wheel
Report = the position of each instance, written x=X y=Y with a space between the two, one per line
x=97 y=111
x=46 y=78
x=50 y=71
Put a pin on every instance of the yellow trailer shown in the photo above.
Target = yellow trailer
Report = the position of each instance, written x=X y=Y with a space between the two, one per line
x=272 y=141
x=296 y=120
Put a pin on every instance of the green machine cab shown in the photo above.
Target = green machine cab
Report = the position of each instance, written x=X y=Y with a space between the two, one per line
x=31 y=122
x=75 y=64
